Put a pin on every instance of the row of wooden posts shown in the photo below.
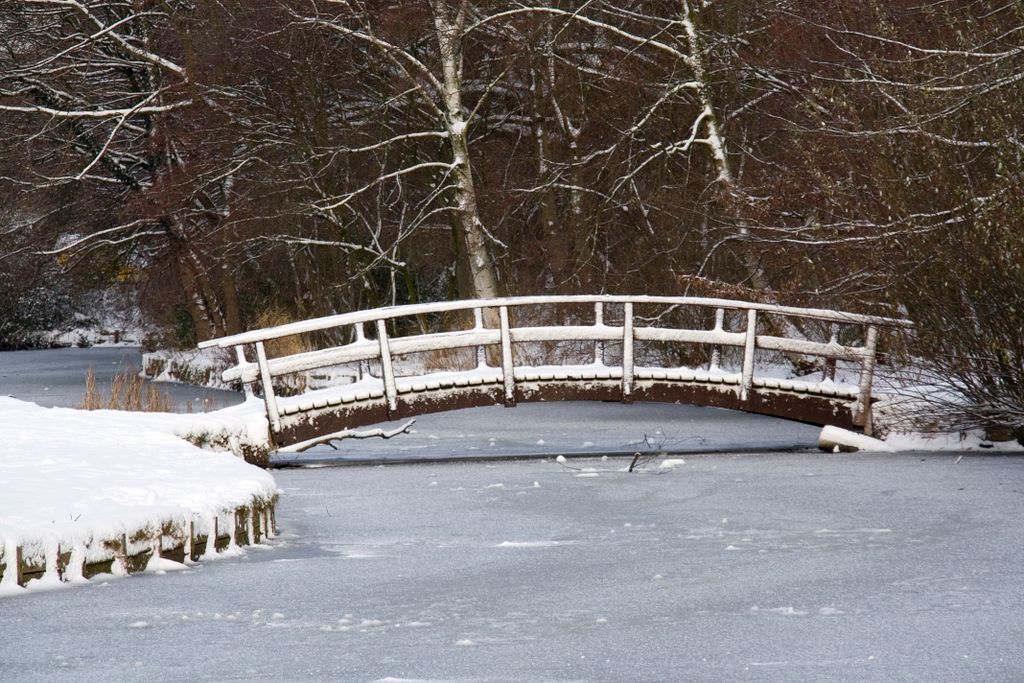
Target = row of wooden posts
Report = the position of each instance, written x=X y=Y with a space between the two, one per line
x=251 y=524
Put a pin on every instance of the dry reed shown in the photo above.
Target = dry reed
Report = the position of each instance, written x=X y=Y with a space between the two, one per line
x=128 y=391
x=282 y=346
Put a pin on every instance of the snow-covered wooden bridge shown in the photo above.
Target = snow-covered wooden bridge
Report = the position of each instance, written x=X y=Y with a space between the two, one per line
x=422 y=358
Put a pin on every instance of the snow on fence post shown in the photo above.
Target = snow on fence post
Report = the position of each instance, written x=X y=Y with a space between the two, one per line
x=599 y=322
x=211 y=538
x=120 y=565
x=716 y=350
x=58 y=564
x=12 y=554
x=156 y=543
x=478 y=324
x=387 y=369
x=240 y=357
x=268 y=388
x=748 y=355
x=627 y=352
x=507 y=368
x=862 y=411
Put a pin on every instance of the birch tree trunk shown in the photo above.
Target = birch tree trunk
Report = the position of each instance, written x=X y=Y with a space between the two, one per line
x=731 y=193
x=449 y=23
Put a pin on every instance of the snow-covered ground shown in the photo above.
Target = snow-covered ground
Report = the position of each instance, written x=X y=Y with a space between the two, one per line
x=725 y=567
x=75 y=479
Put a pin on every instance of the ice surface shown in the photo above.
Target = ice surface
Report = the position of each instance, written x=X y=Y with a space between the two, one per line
x=559 y=428
x=378 y=576
x=862 y=567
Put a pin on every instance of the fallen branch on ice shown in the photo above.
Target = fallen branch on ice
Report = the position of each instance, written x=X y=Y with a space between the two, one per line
x=346 y=434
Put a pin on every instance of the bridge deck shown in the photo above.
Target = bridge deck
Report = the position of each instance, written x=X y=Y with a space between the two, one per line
x=361 y=403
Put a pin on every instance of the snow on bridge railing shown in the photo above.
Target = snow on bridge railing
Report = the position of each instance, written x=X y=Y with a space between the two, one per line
x=499 y=332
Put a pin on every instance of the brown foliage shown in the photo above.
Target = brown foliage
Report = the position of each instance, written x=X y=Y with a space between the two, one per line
x=128 y=391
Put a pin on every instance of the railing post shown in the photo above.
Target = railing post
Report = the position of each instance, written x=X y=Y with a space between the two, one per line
x=716 y=350
x=386 y=368
x=508 y=372
x=478 y=324
x=268 y=388
x=748 y=355
x=829 y=371
x=360 y=336
x=240 y=357
x=862 y=411
x=599 y=322
x=627 y=352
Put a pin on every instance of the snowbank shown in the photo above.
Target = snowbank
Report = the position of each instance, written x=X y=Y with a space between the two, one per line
x=973 y=440
x=837 y=439
x=83 y=487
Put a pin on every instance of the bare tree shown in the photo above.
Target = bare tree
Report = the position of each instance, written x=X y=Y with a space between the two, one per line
x=434 y=94
x=93 y=94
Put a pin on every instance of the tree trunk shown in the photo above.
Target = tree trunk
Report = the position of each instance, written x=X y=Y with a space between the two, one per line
x=730 y=191
x=482 y=271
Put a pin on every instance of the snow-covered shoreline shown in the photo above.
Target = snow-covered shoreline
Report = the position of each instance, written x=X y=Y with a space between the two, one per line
x=102 y=484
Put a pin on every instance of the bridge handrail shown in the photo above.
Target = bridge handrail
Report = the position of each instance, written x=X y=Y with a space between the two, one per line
x=407 y=310
x=504 y=335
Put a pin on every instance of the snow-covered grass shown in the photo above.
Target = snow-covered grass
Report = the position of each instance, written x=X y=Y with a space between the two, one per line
x=76 y=480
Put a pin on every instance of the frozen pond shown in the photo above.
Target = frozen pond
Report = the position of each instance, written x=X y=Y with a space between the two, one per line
x=569 y=428
x=56 y=377
x=765 y=567
x=728 y=567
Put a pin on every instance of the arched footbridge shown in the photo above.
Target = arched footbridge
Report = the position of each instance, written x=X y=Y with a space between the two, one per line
x=403 y=361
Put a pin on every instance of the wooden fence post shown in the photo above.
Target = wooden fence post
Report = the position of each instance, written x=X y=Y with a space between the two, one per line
x=862 y=411
x=360 y=336
x=478 y=324
x=386 y=368
x=716 y=350
x=829 y=371
x=268 y=388
x=240 y=357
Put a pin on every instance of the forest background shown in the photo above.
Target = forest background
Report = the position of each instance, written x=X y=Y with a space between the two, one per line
x=224 y=165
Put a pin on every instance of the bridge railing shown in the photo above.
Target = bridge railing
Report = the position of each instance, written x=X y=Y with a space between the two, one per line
x=493 y=327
